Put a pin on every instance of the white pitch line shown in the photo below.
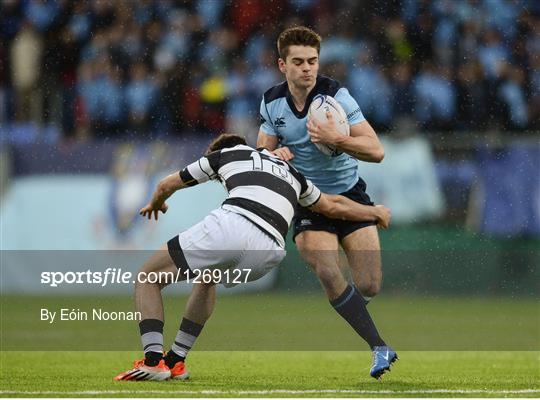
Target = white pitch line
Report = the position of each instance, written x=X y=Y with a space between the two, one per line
x=275 y=391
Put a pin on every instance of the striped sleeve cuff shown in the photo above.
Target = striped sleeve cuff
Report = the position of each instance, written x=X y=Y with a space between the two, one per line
x=197 y=172
x=310 y=196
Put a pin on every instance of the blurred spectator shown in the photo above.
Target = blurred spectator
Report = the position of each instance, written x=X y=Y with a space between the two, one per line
x=209 y=12
x=80 y=22
x=535 y=93
x=213 y=90
x=182 y=99
x=219 y=47
x=492 y=54
x=95 y=47
x=41 y=13
x=141 y=97
x=174 y=44
x=471 y=98
x=263 y=73
x=468 y=41
x=130 y=45
x=112 y=119
x=395 y=47
x=102 y=14
x=435 y=96
x=371 y=89
x=3 y=86
x=262 y=41
x=402 y=95
x=502 y=16
x=88 y=96
x=246 y=15
x=26 y=56
x=420 y=34
x=339 y=43
x=102 y=98
x=445 y=32
x=239 y=111
x=512 y=95
x=68 y=53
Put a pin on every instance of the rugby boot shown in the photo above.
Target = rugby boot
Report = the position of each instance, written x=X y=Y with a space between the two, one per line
x=142 y=372
x=383 y=357
x=179 y=371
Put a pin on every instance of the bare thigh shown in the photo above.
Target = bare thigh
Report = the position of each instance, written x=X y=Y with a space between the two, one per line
x=320 y=250
x=364 y=255
x=160 y=263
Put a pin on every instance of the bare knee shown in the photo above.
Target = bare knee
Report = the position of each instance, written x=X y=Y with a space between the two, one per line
x=327 y=274
x=369 y=288
x=324 y=264
x=330 y=276
x=368 y=279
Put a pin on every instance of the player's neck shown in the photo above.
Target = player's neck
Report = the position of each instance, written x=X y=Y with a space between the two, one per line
x=299 y=94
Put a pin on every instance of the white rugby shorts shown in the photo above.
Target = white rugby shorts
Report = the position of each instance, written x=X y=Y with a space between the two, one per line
x=226 y=241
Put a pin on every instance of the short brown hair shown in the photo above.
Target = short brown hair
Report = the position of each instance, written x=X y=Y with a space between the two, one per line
x=225 y=140
x=297 y=36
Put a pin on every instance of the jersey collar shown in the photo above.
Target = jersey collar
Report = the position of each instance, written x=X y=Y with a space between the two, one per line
x=309 y=99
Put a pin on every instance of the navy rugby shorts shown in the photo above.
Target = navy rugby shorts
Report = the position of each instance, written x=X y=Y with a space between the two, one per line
x=307 y=220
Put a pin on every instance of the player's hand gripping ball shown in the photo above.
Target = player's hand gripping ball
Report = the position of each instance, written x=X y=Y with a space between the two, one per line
x=318 y=110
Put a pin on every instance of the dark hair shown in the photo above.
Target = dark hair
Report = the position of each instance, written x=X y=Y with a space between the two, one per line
x=225 y=140
x=297 y=36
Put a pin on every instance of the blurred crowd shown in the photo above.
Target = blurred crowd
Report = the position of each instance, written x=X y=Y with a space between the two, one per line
x=153 y=67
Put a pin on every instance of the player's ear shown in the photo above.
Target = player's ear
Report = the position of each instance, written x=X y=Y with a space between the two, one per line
x=281 y=65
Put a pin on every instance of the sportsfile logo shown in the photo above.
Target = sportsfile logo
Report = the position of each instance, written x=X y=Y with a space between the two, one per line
x=117 y=276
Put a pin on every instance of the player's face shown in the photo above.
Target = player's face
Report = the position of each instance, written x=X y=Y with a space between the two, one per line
x=301 y=66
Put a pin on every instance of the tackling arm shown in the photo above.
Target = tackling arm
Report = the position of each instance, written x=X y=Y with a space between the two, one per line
x=340 y=207
x=165 y=189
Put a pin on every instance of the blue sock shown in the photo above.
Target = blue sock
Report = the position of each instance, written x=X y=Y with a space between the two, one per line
x=352 y=307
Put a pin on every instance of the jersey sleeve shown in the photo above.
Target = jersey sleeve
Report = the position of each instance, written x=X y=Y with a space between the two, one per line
x=266 y=122
x=202 y=170
x=351 y=107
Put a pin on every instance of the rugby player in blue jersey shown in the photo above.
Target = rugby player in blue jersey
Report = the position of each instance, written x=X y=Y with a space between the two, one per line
x=286 y=131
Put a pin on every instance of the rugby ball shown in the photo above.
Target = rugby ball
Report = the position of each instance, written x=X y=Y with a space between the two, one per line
x=318 y=108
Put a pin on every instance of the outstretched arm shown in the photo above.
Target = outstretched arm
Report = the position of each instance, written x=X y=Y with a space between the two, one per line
x=197 y=172
x=165 y=189
x=340 y=207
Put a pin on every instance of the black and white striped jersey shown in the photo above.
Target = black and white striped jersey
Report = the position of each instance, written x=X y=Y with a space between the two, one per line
x=261 y=187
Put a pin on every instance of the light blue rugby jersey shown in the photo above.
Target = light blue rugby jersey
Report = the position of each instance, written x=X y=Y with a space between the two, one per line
x=280 y=118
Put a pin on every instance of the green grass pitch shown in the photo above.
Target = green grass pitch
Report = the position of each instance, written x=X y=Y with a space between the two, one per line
x=277 y=374
x=448 y=347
